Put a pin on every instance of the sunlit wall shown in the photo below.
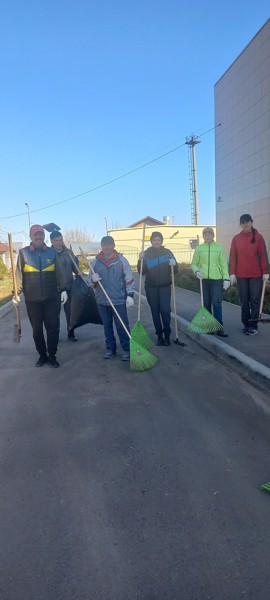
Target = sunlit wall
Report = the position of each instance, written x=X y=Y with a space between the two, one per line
x=242 y=143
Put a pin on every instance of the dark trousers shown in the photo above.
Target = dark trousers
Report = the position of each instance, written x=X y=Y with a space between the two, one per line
x=212 y=297
x=108 y=316
x=250 y=290
x=67 y=309
x=44 y=313
x=159 y=300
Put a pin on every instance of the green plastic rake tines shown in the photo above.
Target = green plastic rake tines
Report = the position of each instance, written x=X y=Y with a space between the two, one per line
x=265 y=487
x=204 y=322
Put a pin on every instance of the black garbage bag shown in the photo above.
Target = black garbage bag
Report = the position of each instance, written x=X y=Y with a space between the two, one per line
x=84 y=308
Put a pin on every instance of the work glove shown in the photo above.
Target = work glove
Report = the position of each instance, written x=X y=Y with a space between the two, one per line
x=233 y=279
x=95 y=277
x=141 y=255
x=265 y=277
x=199 y=275
x=172 y=262
x=64 y=297
x=226 y=284
x=16 y=302
x=129 y=302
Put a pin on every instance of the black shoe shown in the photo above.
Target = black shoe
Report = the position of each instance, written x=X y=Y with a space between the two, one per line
x=222 y=333
x=71 y=337
x=53 y=362
x=166 y=341
x=245 y=330
x=160 y=341
x=42 y=360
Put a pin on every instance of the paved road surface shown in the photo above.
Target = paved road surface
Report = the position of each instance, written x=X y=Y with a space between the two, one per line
x=130 y=486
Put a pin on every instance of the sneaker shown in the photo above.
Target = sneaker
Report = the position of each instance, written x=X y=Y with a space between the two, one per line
x=252 y=331
x=245 y=330
x=41 y=361
x=160 y=341
x=71 y=337
x=222 y=333
x=126 y=356
x=53 y=362
x=166 y=341
x=109 y=354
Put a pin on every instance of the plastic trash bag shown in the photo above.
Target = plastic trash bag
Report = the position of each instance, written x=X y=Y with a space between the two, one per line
x=84 y=308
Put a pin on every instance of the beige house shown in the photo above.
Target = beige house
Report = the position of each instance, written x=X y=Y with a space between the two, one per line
x=180 y=239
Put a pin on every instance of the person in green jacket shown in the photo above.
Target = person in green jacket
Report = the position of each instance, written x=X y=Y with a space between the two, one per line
x=210 y=264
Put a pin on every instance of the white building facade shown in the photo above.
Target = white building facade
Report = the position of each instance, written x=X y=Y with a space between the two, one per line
x=242 y=141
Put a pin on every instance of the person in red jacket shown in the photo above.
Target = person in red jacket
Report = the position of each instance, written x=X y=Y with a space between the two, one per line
x=249 y=266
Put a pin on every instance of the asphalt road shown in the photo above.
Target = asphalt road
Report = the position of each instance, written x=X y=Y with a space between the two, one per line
x=130 y=486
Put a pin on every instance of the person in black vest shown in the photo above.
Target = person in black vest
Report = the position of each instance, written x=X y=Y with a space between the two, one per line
x=157 y=262
x=38 y=276
x=68 y=269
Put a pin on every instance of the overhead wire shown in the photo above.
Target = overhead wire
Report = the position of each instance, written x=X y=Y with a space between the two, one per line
x=106 y=183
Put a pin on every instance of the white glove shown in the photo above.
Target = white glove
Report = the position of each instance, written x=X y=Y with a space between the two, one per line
x=16 y=302
x=199 y=275
x=141 y=255
x=64 y=297
x=95 y=277
x=172 y=262
x=129 y=302
x=265 y=277
x=233 y=279
x=226 y=284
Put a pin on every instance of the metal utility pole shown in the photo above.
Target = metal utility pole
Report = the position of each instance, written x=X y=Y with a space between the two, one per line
x=191 y=142
x=28 y=212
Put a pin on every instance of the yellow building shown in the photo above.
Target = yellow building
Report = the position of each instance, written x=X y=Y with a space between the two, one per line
x=180 y=239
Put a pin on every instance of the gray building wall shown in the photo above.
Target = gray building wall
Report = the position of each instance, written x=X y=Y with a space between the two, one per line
x=242 y=142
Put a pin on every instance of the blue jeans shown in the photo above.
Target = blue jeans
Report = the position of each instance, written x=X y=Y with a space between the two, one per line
x=159 y=300
x=212 y=297
x=250 y=290
x=108 y=316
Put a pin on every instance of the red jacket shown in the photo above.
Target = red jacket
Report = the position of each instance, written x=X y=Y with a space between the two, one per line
x=247 y=259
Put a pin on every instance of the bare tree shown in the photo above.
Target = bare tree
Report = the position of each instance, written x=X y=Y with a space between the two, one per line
x=76 y=234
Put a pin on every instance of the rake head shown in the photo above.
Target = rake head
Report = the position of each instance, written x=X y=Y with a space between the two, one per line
x=203 y=322
x=16 y=334
x=140 y=335
x=177 y=341
x=265 y=487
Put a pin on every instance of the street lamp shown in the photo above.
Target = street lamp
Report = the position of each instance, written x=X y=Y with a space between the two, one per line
x=28 y=212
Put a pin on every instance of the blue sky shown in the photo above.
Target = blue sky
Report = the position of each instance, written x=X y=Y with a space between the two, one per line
x=92 y=89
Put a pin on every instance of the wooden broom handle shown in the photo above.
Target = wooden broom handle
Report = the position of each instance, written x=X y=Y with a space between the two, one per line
x=15 y=288
x=201 y=292
x=174 y=302
x=262 y=297
x=140 y=279
x=105 y=294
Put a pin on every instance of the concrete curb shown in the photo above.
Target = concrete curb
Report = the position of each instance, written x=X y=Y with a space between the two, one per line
x=249 y=368
x=5 y=309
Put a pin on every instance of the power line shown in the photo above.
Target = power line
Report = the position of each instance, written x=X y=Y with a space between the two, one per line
x=98 y=187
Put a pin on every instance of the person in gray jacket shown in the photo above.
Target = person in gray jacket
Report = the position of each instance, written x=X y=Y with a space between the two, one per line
x=68 y=269
x=114 y=272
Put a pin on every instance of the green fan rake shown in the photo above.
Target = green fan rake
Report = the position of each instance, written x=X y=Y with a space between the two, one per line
x=138 y=331
x=265 y=487
x=203 y=322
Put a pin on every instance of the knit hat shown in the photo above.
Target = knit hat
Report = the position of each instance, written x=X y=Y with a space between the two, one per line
x=155 y=234
x=208 y=230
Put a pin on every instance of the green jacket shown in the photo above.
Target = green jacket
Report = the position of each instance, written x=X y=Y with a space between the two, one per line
x=210 y=259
